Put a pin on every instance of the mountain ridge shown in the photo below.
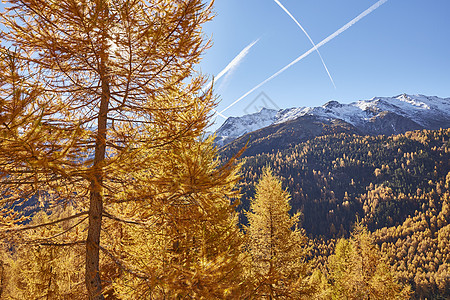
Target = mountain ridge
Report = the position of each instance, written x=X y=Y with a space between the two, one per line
x=379 y=115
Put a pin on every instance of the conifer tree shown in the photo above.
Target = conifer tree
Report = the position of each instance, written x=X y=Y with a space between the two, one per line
x=190 y=247
x=357 y=270
x=87 y=89
x=276 y=245
x=35 y=271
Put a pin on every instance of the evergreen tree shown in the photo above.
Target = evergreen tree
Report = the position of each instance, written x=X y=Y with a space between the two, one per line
x=277 y=247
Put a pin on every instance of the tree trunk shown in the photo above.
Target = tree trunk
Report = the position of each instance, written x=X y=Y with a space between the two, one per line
x=93 y=283
x=92 y=279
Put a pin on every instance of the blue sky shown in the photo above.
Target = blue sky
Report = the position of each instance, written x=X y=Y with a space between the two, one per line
x=401 y=47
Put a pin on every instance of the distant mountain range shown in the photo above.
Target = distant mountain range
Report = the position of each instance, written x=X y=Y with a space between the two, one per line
x=380 y=115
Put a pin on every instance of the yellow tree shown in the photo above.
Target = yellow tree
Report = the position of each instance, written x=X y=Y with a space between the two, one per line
x=184 y=242
x=277 y=247
x=357 y=271
x=90 y=87
x=190 y=246
x=33 y=271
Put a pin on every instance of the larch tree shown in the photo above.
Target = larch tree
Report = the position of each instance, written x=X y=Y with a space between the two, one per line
x=278 y=269
x=88 y=88
x=183 y=242
x=190 y=245
x=357 y=270
x=35 y=271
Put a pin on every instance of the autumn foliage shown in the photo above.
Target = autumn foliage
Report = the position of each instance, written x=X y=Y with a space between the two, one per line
x=110 y=188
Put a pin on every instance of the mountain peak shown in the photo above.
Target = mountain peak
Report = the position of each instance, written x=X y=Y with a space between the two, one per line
x=405 y=112
x=332 y=104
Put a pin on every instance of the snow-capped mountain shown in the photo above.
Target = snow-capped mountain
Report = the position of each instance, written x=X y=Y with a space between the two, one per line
x=234 y=127
x=380 y=115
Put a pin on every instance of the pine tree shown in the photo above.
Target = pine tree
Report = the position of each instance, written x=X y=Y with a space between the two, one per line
x=277 y=247
x=88 y=88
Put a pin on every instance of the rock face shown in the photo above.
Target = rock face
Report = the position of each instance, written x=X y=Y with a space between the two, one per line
x=380 y=115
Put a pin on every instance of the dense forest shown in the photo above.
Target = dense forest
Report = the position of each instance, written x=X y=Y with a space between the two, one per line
x=397 y=186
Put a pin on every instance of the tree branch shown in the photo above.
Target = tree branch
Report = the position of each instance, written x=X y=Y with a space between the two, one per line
x=46 y=224
x=108 y=215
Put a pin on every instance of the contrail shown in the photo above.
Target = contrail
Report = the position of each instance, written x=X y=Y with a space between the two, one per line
x=229 y=69
x=312 y=42
x=326 y=40
x=219 y=113
x=233 y=64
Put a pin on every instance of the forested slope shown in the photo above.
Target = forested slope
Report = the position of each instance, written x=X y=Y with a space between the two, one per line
x=398 y=186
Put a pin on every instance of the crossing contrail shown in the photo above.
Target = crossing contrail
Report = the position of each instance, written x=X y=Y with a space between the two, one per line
x=310 y=39
x=326 y=40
